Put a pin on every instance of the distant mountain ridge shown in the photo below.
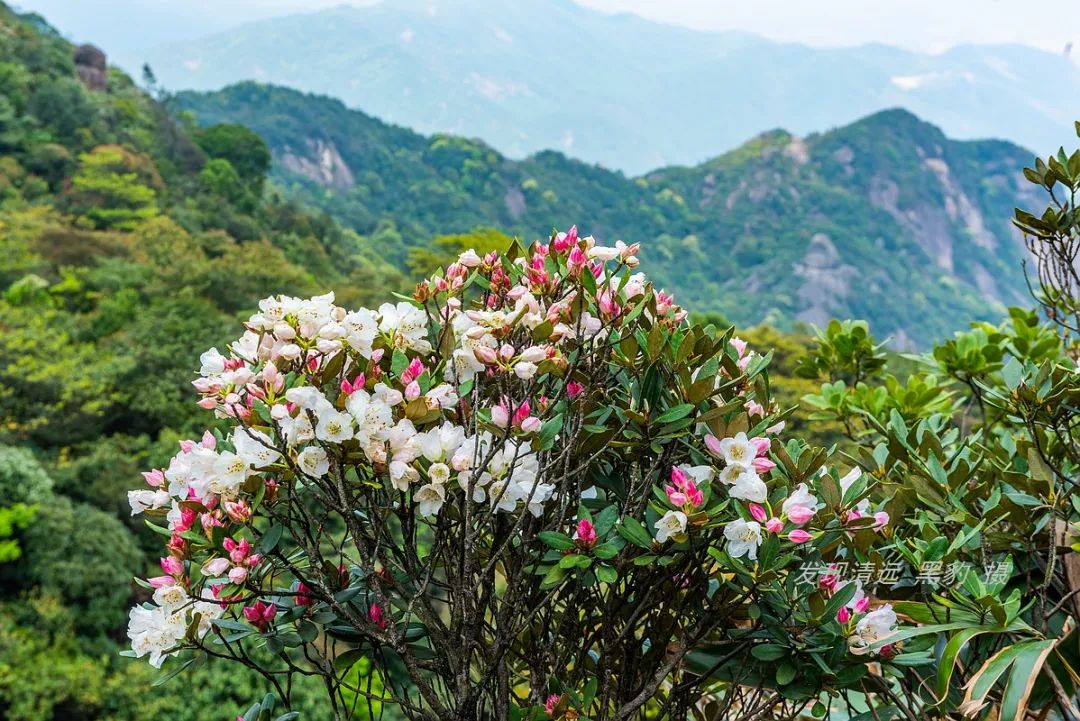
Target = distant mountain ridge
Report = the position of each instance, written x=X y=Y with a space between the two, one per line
x=884 y=219
x=620 y=90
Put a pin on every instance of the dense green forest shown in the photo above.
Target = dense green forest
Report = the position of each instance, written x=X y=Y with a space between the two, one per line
x=122 y=234
x=885 y=219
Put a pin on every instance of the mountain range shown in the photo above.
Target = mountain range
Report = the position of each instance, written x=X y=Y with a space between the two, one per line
x=619 y=90
x=885 y=219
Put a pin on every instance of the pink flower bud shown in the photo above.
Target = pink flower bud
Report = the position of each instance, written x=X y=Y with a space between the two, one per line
x=161 y=581
x=531 y=424
x=829 y=583
x=172 y=566
x=881 y=519
x=208 y=440
x=414 y=370
x=551 y=702
x=377 y=616
x=187 y=446
x=762 y=465
x=675 y=496
x=576 y=260
x=758 y=512
x=678 y=477
x=412 y=391
x=485 y=355
x=215 y=567
x=799 y=536
x=713 y=444
x=774 y=525
x=260 y=614
x=843 y=615
x=238 y=574
x=800 y=514
x=761 y=444
x=302 y=597
x=574 y=389
x=585 y=535
x=753 y=408
x=862 y=605
x=238 y=511
x=506 y=352
x=154 y=478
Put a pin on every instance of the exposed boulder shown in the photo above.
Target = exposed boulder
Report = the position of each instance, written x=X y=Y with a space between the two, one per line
x=92 y=68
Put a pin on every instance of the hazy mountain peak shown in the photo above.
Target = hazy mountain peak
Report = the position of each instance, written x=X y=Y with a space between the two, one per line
x=618 y=89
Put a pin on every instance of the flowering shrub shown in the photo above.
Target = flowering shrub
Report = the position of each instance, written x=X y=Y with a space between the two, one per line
x=534 y=490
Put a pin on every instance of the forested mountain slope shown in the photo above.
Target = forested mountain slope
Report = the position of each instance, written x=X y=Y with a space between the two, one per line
x=885 y=219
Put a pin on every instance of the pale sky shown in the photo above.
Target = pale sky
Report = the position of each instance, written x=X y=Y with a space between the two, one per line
x=925 y=25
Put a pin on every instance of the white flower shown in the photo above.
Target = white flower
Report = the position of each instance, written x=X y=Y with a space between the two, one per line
x=148 y=500
x=470 y=336
x=402 y=475
x=247 y=346
x=743 y=537
x=700 y=475
x=255 y=447
x=738 y=450
x=729 y=475
x=533 y=354
x=386 y=394
x=505 y=494
x=672 y=524
x=297 y=430
x=373 y=416
x=846 y=482
x=212 y=363
x=536 y=497
x=603 y=253
x=223 y=478
x=470 y=259
x=407 y=324
x=360 y=327
x=440 y=444
x=155 y=631
x=313 y=461
x=750 y=487
x=443 y=395
x=309 y=398
x=524 y=370
x=429 y=499
x=800 y=497
x=171 y=597
x=439 y=473
x=874 y=627
x=334 y=427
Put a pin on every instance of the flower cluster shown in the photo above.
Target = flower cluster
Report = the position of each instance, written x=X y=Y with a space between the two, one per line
x=549 y=394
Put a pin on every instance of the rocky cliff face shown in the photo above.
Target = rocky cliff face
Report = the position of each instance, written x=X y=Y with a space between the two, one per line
x=319 y=161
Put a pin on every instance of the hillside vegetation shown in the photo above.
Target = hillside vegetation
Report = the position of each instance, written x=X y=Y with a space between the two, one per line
x=885 y=219
x=129 y=245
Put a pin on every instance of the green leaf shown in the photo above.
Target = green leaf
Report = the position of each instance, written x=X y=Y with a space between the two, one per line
x=785 y=673
x=632 y=530
x=606 y=574
x=947 y=662
x=838 y=601
x=555 y=539
x=769 y=651
x=674 y=414
x=270 y=538
x=1025 y=670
